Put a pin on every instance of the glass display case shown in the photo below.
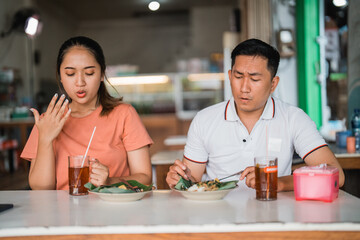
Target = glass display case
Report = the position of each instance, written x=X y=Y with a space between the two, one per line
x=181 y=93
x=196 y=91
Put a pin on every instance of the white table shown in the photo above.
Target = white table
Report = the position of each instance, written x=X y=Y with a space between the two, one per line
x=165 y=213
x=177 y=140
x=166 y=157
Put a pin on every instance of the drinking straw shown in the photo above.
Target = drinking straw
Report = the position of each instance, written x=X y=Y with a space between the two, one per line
x=82 y=164
x=87 y=149
x=267 y=174
x=267 y=140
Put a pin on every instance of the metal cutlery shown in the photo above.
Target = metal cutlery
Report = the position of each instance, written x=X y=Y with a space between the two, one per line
x=234 y=174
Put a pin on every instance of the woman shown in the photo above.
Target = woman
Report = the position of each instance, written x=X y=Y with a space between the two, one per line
x=120 y=143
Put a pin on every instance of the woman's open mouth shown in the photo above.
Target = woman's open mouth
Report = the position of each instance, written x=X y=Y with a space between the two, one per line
x=80 y=94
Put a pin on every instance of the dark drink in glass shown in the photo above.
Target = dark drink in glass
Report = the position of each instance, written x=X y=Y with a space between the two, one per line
x=266 y=175
x=78 y=175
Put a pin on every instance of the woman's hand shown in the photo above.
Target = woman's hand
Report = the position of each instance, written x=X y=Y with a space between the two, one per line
x=52 y=121
x=99 y=174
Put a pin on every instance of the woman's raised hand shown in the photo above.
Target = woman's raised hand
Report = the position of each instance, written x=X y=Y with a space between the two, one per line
x=52 y=121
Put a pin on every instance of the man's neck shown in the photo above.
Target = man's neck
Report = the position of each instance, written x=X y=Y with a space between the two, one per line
x=249 y=119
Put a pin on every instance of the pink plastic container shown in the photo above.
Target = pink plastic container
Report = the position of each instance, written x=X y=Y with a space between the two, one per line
x=316 y=183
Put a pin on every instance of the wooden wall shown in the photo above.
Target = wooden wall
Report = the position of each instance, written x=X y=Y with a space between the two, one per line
x=161 y=126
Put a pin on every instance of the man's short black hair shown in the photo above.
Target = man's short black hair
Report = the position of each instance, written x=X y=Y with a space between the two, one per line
x=255 y=47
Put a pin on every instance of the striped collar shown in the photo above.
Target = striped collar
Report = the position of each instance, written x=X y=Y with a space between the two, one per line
x=269 y=111
x=231 y=115
x=230 y=111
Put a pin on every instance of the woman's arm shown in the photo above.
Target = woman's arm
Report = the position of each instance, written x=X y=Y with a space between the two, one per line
x=139 y=164
x=42 y=168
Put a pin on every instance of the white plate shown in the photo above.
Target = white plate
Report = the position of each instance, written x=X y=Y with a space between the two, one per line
x=121 y=197
x=205 y=196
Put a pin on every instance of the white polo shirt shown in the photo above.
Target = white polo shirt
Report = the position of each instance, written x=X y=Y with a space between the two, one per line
x=219 y=139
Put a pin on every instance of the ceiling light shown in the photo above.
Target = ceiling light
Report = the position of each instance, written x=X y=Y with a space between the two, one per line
x=25 y=20
x=206 y=77
x=154 y=5
x=340 y=3
x=134 y=80
x=31 y=26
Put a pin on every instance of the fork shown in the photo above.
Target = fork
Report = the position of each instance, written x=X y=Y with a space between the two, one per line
x=234 y=174
x=134 y=188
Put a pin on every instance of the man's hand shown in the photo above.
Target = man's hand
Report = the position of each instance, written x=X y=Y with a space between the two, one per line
x=249 y=174
x=177 y=170
x=285 y=183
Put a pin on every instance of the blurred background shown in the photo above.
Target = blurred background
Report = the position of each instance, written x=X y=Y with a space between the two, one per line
x=172 y=61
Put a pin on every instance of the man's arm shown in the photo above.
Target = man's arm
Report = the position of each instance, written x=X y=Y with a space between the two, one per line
x=321 y=155
x=187 y=169
x=325 y=155
x=286 y=183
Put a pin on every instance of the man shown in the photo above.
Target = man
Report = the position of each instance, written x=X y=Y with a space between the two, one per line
x=224 y=138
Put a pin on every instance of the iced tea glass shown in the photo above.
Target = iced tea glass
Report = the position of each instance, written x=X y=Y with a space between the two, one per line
x=266 y=174
x=78 y=175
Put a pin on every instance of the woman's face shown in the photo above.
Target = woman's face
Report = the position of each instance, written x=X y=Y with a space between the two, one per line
x=80 y=75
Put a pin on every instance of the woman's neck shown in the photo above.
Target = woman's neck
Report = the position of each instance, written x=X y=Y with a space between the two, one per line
x=80 y=110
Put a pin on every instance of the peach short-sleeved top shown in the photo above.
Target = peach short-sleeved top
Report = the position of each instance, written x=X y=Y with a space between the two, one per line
x=116 y=134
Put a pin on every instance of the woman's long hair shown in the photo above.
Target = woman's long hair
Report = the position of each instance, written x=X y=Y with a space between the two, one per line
x=103 y=97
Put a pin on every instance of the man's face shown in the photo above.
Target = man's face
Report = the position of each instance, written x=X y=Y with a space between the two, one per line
x=251 y=84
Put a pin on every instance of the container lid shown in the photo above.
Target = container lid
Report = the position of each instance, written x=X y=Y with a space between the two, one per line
x=344 y=133
x=320 y=169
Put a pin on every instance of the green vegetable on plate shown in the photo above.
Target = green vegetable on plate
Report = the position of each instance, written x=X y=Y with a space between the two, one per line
x=130 y=186
x=212 y=185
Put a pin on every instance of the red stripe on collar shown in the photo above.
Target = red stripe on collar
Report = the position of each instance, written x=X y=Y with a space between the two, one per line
x=273 y=107
x=227 y=105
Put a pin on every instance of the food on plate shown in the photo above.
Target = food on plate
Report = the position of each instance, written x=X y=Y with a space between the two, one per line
x=213 y=185
x=122 y=187
x=130 y=186
x=205 y=186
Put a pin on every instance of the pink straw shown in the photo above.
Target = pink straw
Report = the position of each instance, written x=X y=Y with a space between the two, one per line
x=267 y=141
x=267 y=175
